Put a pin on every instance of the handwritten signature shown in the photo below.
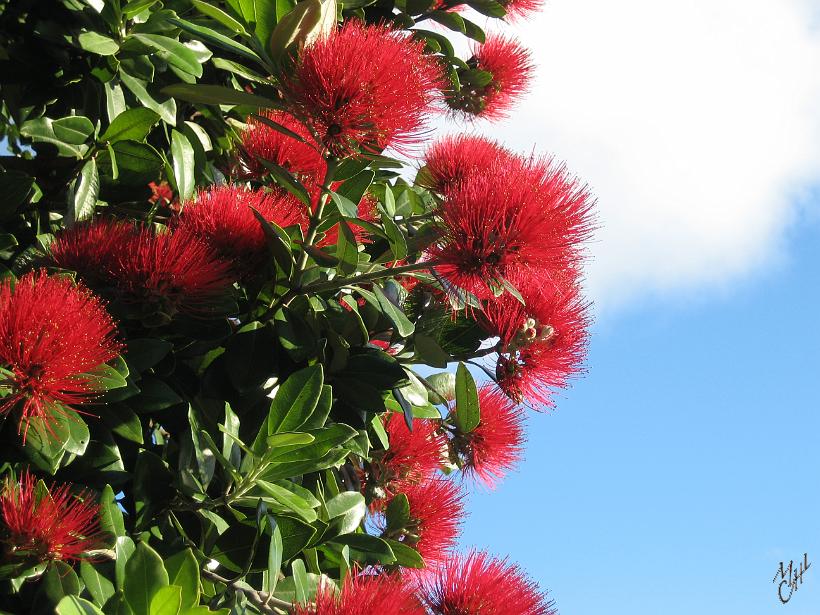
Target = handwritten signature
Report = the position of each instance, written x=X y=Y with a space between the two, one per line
x=791 y=578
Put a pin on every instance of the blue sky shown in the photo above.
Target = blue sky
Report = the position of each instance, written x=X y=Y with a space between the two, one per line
x=677 y=475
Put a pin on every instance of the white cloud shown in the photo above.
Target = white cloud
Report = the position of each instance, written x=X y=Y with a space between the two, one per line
x=696 y=123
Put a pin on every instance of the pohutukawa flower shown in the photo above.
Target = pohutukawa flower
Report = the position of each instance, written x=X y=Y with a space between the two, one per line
x=495 y=446
x=543 y=343
x=260 y=140
x=413 y=456
x=365 y=87
x=454 y=157
x=479 y=584
x=223 y=218
x=365 y=595
x=521 y=9
x=53 y=525
x=510 y=67
x=521 y=218
x=151 y=275
x=52 y=333
x=436 y=512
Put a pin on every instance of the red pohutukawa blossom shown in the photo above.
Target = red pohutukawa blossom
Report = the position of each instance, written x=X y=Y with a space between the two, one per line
x=436 y=512
x=156 y=274
x=412 y=456
x=365 y=595
x=496 y=445
x=520 y=218
x=511 y=68
x=479 y=584
x=543 y=343
x=52 y=333
x=53 y=525
x=223 y=218
x=365 y=87
x=454 y=157
x=261 y=140
x=521 y=9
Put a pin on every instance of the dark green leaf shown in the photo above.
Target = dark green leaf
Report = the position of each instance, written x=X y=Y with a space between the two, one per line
x=367 y=549
x=131 y=125
x=406 y=556
x=183 y=570
x=58 y=581
x=216 y=38
x=355 y=188
x=346 y=249
x=144 y=577
x=97 y=43
x=154 y=395
x=295 y=400
x=403 y=326
x=111 y=520
x=250 y=357
x=172 y=51
x=15 y=188
x=144 y=353
x=468 y=413
x=167 y=109
x=220 y=16
x=182 y=155
x=100 y=587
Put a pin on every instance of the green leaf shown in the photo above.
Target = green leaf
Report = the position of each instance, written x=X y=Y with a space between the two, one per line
x=453 y=21
x=346 y=249
x=274 y=557
x=349 y=508
x=167 y=601
x=124 y=548
x=397 y=513
x=143 y=353
x=78 y=436
x=104 y=377
x=15 y=188
x=250 y=357
x=406 y=556
x=468 y=414
x=58 y=581
x=172 y=51
x=144 y=577
x=135 y=7
x=290 y=500
x=154 y=395
x=43 y=130
x=278 y=127
x=100 y=588
x=367 y=549
x=285 y=178
x=216 y=95
x=320 y=414
x=300 y=580
x=85 y=196
x=182 y=155
x=183 y=570
x=355 y=188
x=74 y=129
x=166 y=109
x=220 y=16
x=429 y=352
x=403 y=326
x=395 y=237
x=95 y=42
x=295 y=400
x=131 y=125
x=73 y=605
x=137 y=163
x=220 y=40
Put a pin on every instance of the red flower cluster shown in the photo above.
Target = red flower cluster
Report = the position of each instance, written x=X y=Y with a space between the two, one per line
x=455 y=157
x=52 y=333
x=519 y=218
x=521 y=9
x=365 y=595
x=495 y=446
x=479 y=584
x=543 y=343
x=510 y=70
x=156 y=274
x=53 y=525
x=223 y=218
x=364 y=87
x=436 y=512
x=261 y=140
x=413 y=456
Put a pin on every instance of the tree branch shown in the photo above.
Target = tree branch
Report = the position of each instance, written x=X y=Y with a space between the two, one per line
x=265 y=602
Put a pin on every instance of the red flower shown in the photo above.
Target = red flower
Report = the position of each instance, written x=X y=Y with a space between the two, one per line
x=365 y=87
x=519 y=218
x=520 y=9
x=454 y=157
x=543 y=343
x=222 y=217
x=495 y=446
x=365 y=595
x=56 y=525
x=412 y=457
x=52 y=333
x=159 y=274
x=436 y=512
x=260 y=140
x=511 y=68
x=480 y=584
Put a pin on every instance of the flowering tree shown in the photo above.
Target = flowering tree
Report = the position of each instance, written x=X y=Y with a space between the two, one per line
x=217 y=283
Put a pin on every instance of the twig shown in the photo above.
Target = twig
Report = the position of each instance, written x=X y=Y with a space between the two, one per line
x=265 y=602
